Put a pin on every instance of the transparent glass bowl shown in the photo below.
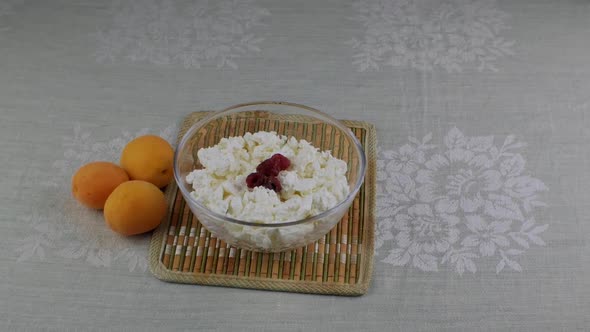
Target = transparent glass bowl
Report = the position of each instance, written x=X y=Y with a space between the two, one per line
x=288 y=119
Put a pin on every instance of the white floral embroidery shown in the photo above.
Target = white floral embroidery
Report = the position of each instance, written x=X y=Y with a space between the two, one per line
x=456 y=203
x=423 y=35
x=188 y=33
x=64 y=228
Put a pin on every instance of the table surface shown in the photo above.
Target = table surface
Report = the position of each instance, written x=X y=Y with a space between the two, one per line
x=482 y=110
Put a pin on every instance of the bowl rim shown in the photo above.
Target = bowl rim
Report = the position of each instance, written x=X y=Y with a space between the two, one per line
x=215 y=114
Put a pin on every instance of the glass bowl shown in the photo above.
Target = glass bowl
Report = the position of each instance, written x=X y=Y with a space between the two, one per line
x=302 y=122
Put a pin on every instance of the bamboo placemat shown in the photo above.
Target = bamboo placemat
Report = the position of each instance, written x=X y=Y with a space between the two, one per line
x=340 y=263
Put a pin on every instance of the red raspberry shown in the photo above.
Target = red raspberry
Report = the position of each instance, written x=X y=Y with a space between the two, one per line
x=273 y=183
x=255 y=180
x=281 y=161
x=268 y=168
x=266 y=173
x=273 y=165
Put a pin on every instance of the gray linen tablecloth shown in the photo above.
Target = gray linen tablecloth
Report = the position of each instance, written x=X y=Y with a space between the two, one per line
x=482 y=110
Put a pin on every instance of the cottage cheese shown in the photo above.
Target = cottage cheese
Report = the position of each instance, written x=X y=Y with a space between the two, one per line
x=314 y=183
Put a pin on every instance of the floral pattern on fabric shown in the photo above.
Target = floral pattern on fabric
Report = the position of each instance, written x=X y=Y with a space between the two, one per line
x=452 y=35
x=192 y=34
x=457 y=203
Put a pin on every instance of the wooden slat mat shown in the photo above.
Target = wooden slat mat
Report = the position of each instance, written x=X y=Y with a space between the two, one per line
x=340 y=263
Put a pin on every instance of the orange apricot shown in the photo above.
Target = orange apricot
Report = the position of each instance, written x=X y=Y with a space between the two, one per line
x=135 y=207
x=149 y=158
x=94 y=182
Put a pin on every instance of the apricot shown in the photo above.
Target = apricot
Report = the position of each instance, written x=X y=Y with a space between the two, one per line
x=94 y=182
x=135 y=207
x=149 y=158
